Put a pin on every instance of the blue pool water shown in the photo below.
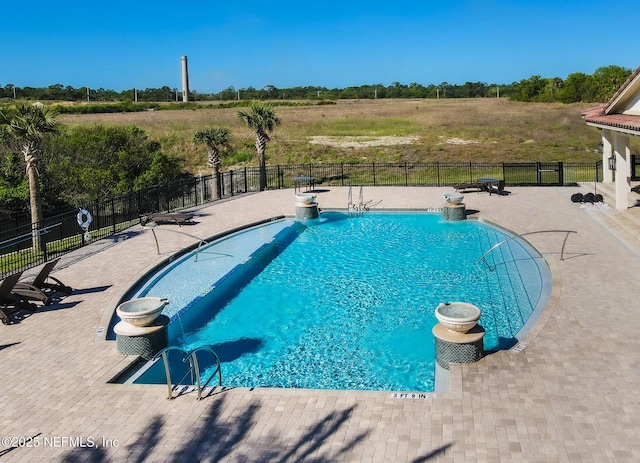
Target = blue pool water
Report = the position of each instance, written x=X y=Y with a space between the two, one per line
x=344 y=302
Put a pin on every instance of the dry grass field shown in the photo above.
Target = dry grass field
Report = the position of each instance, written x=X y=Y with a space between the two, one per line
x=480 y=130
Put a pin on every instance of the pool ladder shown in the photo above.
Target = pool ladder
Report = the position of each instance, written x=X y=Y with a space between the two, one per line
x=357 y=209
x=193 y=370
x=353 y=208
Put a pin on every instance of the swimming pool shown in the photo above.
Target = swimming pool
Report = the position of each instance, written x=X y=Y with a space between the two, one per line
x=344 y=302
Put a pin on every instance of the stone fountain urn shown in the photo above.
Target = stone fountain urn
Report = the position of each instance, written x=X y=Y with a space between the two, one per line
x=453 y=198
x=458 y=337
x=142 y=329
x=454 y=208
x=306 y=206
x=305 y=198
x=142 y=311
x=458 y=317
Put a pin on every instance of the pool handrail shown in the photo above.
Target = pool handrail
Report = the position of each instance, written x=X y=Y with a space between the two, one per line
x=358 y=209
x=155 y=237
x=495 y=246
x=194 y=368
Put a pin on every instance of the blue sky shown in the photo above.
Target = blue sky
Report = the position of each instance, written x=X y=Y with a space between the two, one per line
x=121 y=45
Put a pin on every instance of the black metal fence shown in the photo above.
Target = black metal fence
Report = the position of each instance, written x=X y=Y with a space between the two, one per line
x=436 y=173
x=60 y=232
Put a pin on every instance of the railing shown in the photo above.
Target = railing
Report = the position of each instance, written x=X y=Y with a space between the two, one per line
x=193 y=371
x=155 y=237
x=435 y=173
x=353 y=208
x=115 y=214
x=497 y=245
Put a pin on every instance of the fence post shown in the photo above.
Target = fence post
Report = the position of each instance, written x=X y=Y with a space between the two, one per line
x=406 y=175
x=113 y=216
x=538 y=173
x=246 y=186
x=43 y=246
x=342 y=173
x=197 y=185
x=373 y=167
x=96 y=216
x=561 y=173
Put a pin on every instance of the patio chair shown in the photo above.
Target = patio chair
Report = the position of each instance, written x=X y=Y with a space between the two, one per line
x=499 y=188
x=43 y=285
x=174 y=217
x=467 y=186
x=9 y=301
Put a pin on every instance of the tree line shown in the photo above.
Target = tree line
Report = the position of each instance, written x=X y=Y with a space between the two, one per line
x=577 y=87
x=45 y=165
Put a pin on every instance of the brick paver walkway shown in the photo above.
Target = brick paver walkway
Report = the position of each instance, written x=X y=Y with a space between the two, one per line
x=571 y=395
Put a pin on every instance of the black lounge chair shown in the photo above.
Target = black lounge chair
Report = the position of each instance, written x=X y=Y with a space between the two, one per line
x=467 y=186
x=499 y=188
x=9 y=301
x=173 y=217
x=43 y=285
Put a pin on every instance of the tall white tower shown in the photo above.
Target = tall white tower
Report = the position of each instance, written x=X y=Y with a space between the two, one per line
x=185 y=80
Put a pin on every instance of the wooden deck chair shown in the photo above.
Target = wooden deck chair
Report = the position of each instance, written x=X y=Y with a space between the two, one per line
x=499 y=188
x=10 y=301
x=462 y=187
x=171 y=217
x=43 y=285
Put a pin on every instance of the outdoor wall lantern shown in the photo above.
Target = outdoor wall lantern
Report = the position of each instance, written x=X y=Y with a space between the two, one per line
x=612 y=162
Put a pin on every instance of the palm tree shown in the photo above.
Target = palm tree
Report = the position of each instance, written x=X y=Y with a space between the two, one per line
x=26 y=127
x=217 y=139
x=262 y=119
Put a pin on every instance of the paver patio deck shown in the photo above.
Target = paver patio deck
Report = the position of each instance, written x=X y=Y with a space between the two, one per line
x=571 y=395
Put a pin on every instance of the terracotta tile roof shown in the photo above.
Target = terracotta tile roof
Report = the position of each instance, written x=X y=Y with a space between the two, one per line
x=599 y=115
x=619 y=121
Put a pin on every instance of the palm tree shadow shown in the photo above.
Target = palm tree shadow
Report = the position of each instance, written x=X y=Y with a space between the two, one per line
x=215 y=439
x=6 y=346
x=432 y=454
x=147 y=442
x=314 y=438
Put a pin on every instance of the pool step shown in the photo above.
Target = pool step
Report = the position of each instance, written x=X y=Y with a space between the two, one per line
x=608 y=192
x=624 y=224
